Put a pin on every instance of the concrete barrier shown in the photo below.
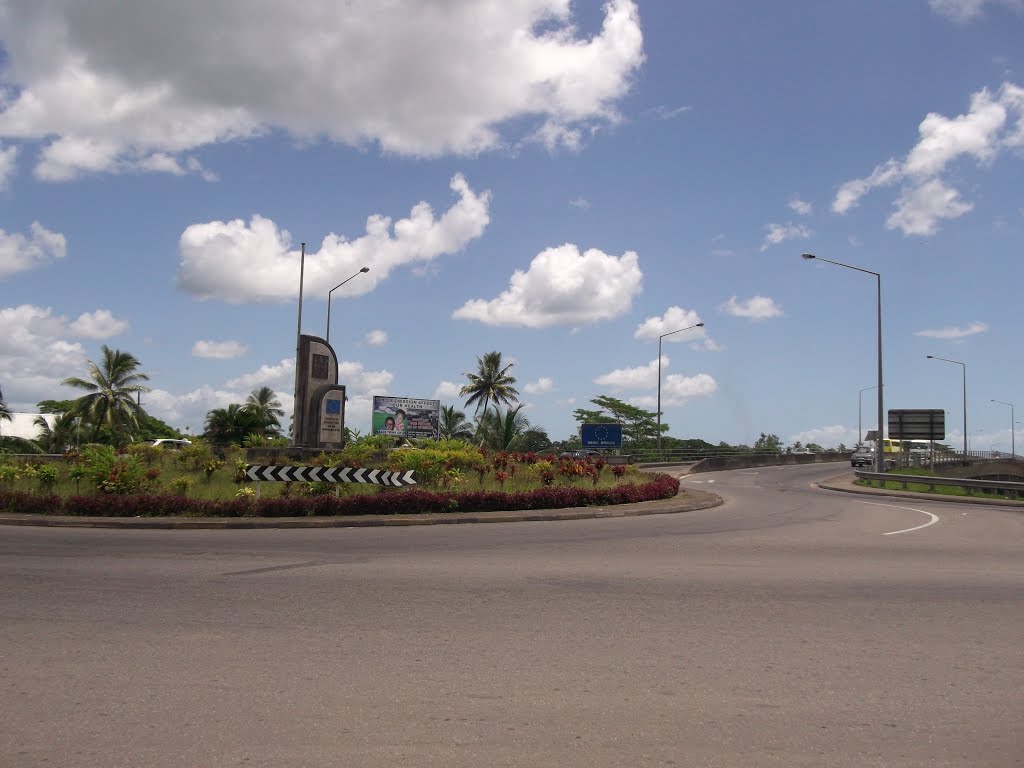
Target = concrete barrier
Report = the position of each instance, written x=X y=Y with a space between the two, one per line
x=721 y=463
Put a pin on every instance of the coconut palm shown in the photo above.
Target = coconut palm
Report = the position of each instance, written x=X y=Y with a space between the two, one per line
x=263 y=404
x=490 y=384
x=113 y=387
x=499 y=431
x=59 y=437
x=453 y=425
x=5 y=412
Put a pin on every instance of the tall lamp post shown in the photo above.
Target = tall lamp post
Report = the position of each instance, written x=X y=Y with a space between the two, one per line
x=1013 y=444
x=879 y=458
x=678 y=330
x=361 y=271
x=298 y=349
x=964 y=367
x=860 y=401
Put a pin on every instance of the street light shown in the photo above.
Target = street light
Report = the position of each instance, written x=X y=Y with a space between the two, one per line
x=679 y=330
x=860 y=431
x=964 y=366
x=1013 y=445
x=879 y=458
x=361 y=271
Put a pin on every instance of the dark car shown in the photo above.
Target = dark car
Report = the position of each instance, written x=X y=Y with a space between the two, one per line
x=862 y=456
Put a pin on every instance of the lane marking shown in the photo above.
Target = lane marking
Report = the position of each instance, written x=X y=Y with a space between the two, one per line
x=934 y=518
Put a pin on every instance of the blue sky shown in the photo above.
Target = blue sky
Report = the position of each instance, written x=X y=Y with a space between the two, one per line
x=561 y=182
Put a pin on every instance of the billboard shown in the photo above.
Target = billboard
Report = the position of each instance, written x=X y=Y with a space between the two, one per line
x=601 y=435
x=405 y=416
x=917 y=424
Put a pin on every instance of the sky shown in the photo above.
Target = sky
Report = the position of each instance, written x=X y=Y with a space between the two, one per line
x=561 y=182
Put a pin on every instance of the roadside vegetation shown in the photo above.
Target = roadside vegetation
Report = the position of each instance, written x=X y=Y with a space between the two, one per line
x=929 y=486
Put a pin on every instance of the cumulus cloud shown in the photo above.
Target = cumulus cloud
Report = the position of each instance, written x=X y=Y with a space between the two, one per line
x=562 y=287
x=540 y=386
x=219 y=350
x=673 y=321
x=447 y=391
x=19 y=253
x=35 y=355
x=994 y=124
x=675 y=389
x=755 y=308
x=954 y=332
x=237 y=262
x=377 y=338
x=113 y=87
x=780 y=233
x=100 y=324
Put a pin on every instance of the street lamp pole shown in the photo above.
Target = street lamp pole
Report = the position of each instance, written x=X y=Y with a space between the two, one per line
x=1013 y=444
x=879 y=458
x=860 y=406
x=678 y=330
x=361 y=271
x=964 y=367
x=298 y=349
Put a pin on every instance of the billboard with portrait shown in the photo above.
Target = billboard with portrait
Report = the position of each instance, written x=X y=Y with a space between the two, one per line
x=405 y=416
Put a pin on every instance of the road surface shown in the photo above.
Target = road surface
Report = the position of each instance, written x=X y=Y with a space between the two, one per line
x=791 y=626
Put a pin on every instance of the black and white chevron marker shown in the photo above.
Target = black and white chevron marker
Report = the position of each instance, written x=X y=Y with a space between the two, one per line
x=283 y=474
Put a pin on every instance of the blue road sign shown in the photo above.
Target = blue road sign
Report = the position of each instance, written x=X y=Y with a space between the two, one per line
x=601 y=435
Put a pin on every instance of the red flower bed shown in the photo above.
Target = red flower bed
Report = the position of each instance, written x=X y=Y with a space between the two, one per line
x=412 y=501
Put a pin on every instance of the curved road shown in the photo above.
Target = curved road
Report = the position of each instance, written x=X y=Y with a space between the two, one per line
x=791 y=626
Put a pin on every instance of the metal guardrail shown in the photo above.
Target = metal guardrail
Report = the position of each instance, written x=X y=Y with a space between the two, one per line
x=1010 y=488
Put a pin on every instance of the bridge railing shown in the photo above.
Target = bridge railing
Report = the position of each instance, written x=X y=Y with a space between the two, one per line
x=1008 y=488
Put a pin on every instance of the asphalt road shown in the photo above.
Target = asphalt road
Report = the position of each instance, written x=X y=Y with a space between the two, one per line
x=791 y=626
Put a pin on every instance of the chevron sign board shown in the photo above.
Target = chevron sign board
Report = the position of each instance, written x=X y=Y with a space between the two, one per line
x=277 y=473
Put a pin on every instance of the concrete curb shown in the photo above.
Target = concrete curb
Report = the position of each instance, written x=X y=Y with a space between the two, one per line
x=687 y=500
x=846 y=484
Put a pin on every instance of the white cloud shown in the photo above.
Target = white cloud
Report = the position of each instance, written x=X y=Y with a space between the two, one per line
x=954 y=332
x=755 y=308
x=34 y=356
x=827 y=437
x=20 y=254
x=219 y=350
x=447 y=392
x=579 y=202
x=377 y=338
x=780 y=233
x=114 y=87
x=800 y=207
x=919 y=209
x=674 y=319
x=100 y=324
x=963 y=11
x=8 y=164
x=994 y=123
x=543 y=384
x=238 y=262
x=562 y=287
x=675 y=388
x=644 y=377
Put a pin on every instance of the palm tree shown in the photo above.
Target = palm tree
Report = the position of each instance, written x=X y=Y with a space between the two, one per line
x=230 y=425
x=5 y=412
x=113 y=388
x=59 y=437
x=263 y=404
x=490 y=384
x=453 y=425
x=499 y=431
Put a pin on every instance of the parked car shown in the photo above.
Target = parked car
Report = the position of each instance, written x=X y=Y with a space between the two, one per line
x=862 y=456
x=802 y=452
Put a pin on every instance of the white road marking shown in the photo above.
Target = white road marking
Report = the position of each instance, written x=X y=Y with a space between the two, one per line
x=934 y=518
